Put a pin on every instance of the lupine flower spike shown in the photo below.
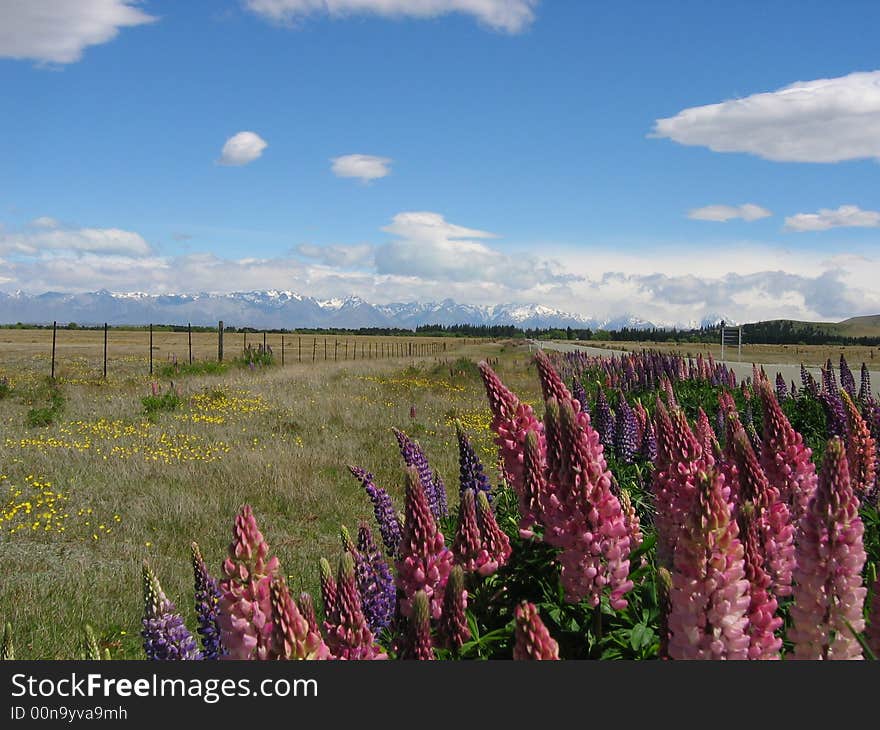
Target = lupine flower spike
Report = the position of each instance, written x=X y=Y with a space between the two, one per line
x=828 y=591
x=245 y=606
x=467 y=545
x=532 y=640
x=383 y=509
x=419 y=644
x=207 y=596
x=348 y=635
x=471 y=474
x=709 y=598
x=453 y=623
x=166 y=637
x=494 y=543
x=861 y=451
x=425 y=561
x=328 y=587
x=293 y=637
x=375 y=582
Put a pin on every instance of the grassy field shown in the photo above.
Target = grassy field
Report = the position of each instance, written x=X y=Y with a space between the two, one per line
x=84 y=500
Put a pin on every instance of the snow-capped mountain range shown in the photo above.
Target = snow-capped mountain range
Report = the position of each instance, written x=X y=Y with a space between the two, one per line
x=282 y=309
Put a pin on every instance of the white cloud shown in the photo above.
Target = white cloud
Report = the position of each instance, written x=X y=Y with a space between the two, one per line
x=430 y=259
x=55 y=31
x=242 y=148
x=44 y=222
x=846 y=216
x=50 y=237
x=826 y=120
x=341 y=256
x=510 y=16
x=722 y=213
x=364 y=167
x=426 y=246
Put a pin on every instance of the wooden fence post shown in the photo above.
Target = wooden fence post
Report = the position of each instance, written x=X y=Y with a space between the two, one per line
x=151 y=348
x=335 y=350
x=220 y=341
x=54 y=329
x=189 y=338
x=314 y=349
x=105 y=350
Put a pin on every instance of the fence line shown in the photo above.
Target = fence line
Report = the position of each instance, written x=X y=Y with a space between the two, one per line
x=370 y=348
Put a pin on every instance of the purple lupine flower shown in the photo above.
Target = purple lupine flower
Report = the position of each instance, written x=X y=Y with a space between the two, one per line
x=835 y=413
x=383 y=509
x=865 y=386
x=414 y=456
x=847 y=380
x=604 y=422
x=649 y=441
x=439 y=490
x=829 y=380
x=166 y=637
x=375 y=582
x=207 y=594
x=470 y=469
x=624 y=431
x=809 y=382
x=781 y=388
x=721 y=422
x=794 y=390
x=578 y=391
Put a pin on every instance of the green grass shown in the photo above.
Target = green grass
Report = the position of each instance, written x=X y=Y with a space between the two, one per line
x=287 y=435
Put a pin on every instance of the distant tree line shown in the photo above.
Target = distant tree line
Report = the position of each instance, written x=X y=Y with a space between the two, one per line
x=774 y=332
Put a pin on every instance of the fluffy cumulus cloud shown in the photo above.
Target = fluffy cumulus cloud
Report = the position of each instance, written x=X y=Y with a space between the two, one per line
x=242 y=148
x=45 y=235
x=826 y=120
x=58 y=32
x=341 y=256
x=509 y=16
x=428 y=258
x=427 y=246
x=363 y=167
x=724 y=213
x=846 y=216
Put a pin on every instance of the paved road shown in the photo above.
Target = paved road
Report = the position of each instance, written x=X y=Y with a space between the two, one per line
x=742 y=369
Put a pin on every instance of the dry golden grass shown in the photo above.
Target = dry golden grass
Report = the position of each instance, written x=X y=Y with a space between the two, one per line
x=85 y=500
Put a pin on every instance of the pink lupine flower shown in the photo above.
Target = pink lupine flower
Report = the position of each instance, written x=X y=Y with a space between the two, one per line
x=348 y=635
x=307 y=608
x=245 y=606
x=511 y=421
x=292 y=635
x=679 y=459
x=533 y=641
x=829 y=592
x=762 y=614
x=467 y=544
x=424 y=561
x=709 y=598
x=590 y=527
x=772 y=520
x=633 y=527
x=861 y=451
x=534 y=485
x=453 y=623
x=786 y=460
x=704 y=432
x=551 y=384
x=495 y=545
x=419 y=645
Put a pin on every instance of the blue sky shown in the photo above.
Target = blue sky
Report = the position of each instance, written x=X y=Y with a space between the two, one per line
x=510 y=151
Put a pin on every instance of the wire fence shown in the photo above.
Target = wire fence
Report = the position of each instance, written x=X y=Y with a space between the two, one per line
x=232 y=344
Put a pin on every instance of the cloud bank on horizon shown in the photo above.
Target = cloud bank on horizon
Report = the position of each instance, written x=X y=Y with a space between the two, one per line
x=751 y=267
